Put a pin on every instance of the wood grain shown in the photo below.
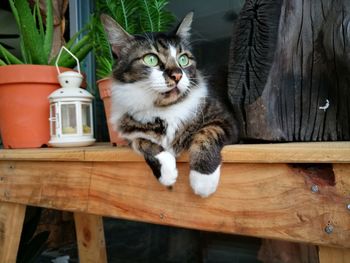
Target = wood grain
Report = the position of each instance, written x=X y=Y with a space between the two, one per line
x=48 y=154
x=263 y=200
x=90 y=238
x=11 y=222
x=316 y=152
x=288 y=70
x=49 y=183
x=333 y=255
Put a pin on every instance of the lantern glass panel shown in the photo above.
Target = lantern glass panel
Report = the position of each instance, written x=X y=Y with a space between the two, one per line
x=53 y=119
x=86 y=118
x=69 y=121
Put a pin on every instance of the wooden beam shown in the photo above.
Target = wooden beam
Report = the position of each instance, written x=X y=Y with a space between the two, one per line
x=58 y=185
x=90 y=238
x=43 y=154
x=333 y=255
x=11 y=223
x=264 y=200
x=316 y=152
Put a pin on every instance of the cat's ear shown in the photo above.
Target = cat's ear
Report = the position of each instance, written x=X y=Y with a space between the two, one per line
x=117 y=36
x=183 y=30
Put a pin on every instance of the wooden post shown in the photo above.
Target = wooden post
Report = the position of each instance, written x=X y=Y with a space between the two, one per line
x=11 y=223
x=333 y=255
x=90 y=238
x=288 y=70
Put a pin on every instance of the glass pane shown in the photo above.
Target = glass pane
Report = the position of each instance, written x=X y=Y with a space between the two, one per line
x=53 y=121
x=69 y=121
x=53 y=110
x=86 y=118
x=53 y=127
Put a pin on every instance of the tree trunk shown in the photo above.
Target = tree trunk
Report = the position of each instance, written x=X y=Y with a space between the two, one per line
x=289 y=70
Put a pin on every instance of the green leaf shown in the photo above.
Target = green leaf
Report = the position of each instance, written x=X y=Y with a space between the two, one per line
x=24 y=52
x=146 y=17
x=70 y=62
x=104 y=67
x=154 y=17
x=8 y=57
x=74 y=38
x=102 y=50
x=123 y=11
x=66 y=58
x=2 y=63
x=31 y=37
x=38 y=18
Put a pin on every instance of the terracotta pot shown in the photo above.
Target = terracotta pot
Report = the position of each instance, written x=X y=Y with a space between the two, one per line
x=104 y=87
x=24 y=104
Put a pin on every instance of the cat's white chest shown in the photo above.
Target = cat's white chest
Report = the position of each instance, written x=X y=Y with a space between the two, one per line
x=179 y=115
x=175 y=116
x=173 y=125
x=143 y=111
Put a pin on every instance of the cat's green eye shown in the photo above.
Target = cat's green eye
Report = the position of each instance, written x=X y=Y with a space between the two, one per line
x=151 y=60
x=183 y=60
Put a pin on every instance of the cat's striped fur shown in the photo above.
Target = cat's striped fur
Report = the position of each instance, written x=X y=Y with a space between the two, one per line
x=166 y=108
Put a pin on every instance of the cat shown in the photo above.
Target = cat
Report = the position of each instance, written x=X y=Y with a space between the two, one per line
x=162 y=105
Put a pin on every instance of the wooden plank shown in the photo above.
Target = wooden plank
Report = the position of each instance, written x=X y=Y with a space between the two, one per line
x=47 y=184
x=90 y=238
x=333 y=255
x=264 y=200
x=11 y=223
x=43 y=154
x=315 y=152
x=112 y=154
x=342 y=177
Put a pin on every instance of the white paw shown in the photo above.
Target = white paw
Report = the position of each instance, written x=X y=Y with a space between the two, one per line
x=204 y=184
x=168 y=169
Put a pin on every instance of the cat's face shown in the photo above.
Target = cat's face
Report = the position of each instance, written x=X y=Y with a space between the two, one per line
x=160 y=64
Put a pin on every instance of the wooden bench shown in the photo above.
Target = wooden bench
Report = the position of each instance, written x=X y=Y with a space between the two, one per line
x=295 y=191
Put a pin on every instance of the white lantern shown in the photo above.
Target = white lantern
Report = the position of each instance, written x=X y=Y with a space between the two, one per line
x=71 y=122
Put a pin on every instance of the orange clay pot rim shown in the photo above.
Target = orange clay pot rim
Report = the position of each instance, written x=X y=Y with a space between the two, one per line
x=103 y=80
x=28 y=73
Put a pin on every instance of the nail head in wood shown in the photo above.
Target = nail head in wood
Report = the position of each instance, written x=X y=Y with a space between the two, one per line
x=314 y=188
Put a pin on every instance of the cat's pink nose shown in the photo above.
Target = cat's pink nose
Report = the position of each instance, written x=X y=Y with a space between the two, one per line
x=176 y=76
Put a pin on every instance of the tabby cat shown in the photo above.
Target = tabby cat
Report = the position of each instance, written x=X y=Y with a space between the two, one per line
x=161 y=104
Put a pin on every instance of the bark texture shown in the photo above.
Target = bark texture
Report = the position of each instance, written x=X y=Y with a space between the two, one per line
x=289 y=70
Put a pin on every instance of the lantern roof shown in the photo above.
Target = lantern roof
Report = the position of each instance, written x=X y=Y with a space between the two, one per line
x=70 y=82
x=74 y=93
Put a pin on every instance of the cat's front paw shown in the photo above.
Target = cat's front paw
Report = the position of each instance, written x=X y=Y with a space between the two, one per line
x=204 y=184
x=168 y=169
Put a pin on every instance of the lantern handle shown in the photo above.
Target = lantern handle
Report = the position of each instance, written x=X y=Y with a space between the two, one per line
x=59 y=55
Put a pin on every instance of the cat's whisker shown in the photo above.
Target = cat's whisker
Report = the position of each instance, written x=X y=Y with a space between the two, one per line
x=194 y=84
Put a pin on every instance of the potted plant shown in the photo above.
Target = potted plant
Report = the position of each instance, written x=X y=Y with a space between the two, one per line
x=135 y=16
x=26 y=82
